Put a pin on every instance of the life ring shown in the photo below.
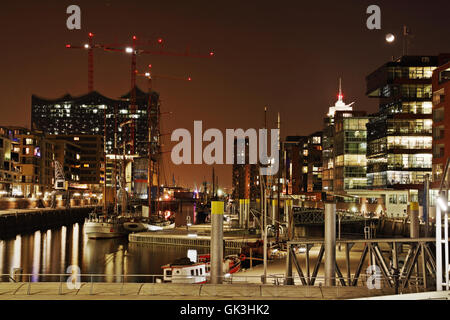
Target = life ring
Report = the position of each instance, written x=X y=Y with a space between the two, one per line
x=242 y=257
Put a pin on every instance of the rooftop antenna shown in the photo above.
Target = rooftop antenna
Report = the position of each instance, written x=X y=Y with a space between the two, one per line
x=406 y=37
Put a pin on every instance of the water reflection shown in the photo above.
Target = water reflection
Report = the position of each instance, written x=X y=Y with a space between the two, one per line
x=53 y=251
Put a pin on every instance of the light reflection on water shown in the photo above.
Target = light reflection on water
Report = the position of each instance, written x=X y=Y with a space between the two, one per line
x=53 y=251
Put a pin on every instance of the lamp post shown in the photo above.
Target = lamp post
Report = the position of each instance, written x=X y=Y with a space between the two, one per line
x=441 y=206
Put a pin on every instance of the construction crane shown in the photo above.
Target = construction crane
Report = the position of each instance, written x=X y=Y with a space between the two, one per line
x=150 y=76
x=60 y=184
x=134 y=50
x=89 y=46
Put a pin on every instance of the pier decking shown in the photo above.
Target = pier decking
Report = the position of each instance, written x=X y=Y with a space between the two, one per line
x=166 y=291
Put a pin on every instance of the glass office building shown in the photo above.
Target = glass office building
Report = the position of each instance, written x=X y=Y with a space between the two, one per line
x=399 y=136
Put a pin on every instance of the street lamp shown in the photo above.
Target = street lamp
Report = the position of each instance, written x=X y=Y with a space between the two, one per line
x=442 y=206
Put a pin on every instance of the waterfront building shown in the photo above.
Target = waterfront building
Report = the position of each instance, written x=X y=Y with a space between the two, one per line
x=315 y=162
x=349 y=151
x=399 y=136
x=90 y=160
x=295 y=173
x=6 y=163
x=441 y=119
x=88 y=114
x=68 y=154
x=328 y=155
x=302 y=174
x=36 y=156
x=245 y=177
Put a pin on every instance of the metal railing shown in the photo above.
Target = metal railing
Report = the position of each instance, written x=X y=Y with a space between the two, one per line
x=89 y=283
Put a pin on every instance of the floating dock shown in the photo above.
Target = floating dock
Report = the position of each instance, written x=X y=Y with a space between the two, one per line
x=198 y=236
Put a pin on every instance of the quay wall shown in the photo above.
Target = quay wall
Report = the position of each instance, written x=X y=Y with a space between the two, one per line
x=23 y=221
x=27 y=203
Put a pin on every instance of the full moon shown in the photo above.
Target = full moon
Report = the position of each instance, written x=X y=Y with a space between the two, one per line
x=390 y=37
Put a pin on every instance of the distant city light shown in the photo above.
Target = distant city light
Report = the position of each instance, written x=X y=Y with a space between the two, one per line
x=129 y=50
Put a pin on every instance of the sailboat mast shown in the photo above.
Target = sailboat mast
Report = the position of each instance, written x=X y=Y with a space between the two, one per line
x=104 y=159
x=115 y=163
x=158 y=121
x=149 y=173
x=279 y=178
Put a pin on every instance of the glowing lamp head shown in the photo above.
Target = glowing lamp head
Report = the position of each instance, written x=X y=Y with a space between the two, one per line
x=160 y=40
x=390 y=38
x=441 y=202
x=86 y=46
x=189 y=79
x=129 y=50
x=211 y=54
x=91 y=34
x=134 y=37
x=68 y=46
x=147 y=74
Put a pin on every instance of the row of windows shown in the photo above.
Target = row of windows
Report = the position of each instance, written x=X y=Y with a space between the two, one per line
x=415 y=107
x=410 y=72
x=409 y=126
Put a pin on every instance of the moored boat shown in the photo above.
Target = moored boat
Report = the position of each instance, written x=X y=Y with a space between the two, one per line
x=185 y=271
x=103 y=227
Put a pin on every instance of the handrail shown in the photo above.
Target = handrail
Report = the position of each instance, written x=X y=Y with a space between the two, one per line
x=373 y=240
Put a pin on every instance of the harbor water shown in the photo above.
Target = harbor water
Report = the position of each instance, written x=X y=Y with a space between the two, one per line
x=60 y=250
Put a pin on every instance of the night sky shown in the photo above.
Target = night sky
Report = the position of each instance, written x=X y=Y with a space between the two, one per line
x=287 y=55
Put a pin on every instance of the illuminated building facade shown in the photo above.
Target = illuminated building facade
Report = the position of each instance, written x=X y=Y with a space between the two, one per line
x=36 y=156
x=6 y=163
x=328 y=156
x=441 y=118
x=350 y=151
x=399 y=136
x=87 y=114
